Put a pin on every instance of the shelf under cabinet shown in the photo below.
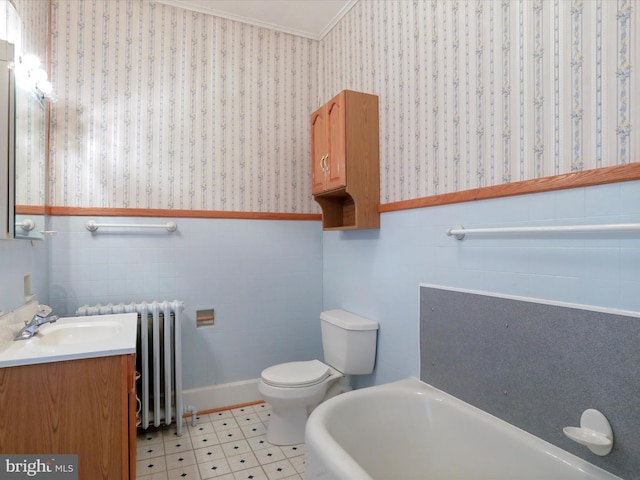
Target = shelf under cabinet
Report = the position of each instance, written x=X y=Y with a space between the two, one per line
x=339 y=212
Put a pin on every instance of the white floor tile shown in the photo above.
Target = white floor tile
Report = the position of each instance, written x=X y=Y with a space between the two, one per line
x=213 y=452
x=189 y=472
x=180 y=459
x=243 y=461
x=226 y=445
x=258 y=443
x=269 y=455
x=170 y=432
x=220 y=415
x=236 y=448
x=201 y=428
x=201 y=441
x=256 y=473
x=155 y=476
x=230 y=435
x=228 y=476
x=264 y=416
x=248 y=419
x=214 y=468
x=279 y=470
x=149 y=451
x=262 y=407
x=263 y=411
x=298 y=464
x=149 y=438
x=224 y=424
x=150 y=466
x=293 y=450
x=254 y=430
x=241 y=411
x=180 y=444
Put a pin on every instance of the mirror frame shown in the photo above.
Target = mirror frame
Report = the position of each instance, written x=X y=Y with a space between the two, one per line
x=7 y=134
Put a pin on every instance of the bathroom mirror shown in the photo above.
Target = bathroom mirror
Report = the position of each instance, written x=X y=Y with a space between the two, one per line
x=30 y=152
x=23 y=171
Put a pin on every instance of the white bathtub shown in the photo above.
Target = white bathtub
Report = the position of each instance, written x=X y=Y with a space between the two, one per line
x=411 y=430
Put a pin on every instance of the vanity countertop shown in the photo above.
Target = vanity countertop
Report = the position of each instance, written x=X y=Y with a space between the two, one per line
x=73 y=338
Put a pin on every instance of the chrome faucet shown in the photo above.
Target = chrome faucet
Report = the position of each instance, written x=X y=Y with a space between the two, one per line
x=40 y=318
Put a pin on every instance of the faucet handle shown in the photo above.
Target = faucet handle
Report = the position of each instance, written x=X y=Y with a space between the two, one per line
x=44 y=310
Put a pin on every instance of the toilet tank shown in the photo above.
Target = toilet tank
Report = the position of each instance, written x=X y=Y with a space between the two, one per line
x=349 y=342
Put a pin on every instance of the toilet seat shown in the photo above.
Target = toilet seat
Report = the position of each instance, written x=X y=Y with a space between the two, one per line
x=296 y=374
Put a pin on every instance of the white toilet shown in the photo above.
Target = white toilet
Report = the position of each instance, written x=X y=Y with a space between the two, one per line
x=294 y=389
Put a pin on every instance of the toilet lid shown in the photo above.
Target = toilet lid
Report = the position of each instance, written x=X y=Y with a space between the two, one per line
x=296 y=374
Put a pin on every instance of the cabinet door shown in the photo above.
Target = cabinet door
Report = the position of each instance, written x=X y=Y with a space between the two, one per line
x=319 y=149
x=336 y=119
x=73 y=407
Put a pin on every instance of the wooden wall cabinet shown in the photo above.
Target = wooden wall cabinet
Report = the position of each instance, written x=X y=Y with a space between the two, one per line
x=85 y=407
x=346 y=161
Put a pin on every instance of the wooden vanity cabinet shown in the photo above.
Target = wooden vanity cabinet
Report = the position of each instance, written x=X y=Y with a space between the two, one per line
x=346 y=162
x=85 y=407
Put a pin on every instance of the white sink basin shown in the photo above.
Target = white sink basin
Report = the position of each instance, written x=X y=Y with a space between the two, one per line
x=77 y=332
x=73 y=338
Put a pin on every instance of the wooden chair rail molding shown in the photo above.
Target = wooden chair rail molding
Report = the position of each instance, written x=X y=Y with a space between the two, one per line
x=31 y=209
x=151 y=212
x=599 y=176
x=588 y=178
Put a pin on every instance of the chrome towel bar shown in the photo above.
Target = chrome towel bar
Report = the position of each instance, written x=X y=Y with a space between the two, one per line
x=459 y=231
x=93 y=226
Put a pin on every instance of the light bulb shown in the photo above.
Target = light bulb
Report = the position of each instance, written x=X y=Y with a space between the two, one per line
x=38 y=75
x=45 y=87
x=30 y=61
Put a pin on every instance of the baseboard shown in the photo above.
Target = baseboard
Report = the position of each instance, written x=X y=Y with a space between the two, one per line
x=219 y=396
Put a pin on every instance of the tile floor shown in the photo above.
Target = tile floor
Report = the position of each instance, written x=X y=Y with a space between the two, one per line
x=227 y=445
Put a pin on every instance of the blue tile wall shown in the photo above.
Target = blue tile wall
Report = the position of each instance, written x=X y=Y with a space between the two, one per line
x=263 y=277
x=268 y=276
x=377 y=273
x=18 y=258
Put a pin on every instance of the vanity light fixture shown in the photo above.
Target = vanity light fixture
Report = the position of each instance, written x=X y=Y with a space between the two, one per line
x=30 y=76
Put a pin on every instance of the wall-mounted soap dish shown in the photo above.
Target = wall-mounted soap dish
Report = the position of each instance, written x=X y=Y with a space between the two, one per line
x=594 y=432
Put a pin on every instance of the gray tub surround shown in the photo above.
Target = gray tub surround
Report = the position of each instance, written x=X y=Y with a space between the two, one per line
x=537 y=365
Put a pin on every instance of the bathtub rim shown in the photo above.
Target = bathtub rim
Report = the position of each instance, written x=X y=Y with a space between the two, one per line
x=332 y=453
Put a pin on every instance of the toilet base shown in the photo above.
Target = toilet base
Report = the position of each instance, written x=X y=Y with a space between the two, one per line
x=287 y=427
x=289 y=413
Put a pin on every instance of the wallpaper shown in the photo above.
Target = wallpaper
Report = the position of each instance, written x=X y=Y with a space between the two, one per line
x=480 y=93
x=25 y=24
x=34 y=28
x=160 y=107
